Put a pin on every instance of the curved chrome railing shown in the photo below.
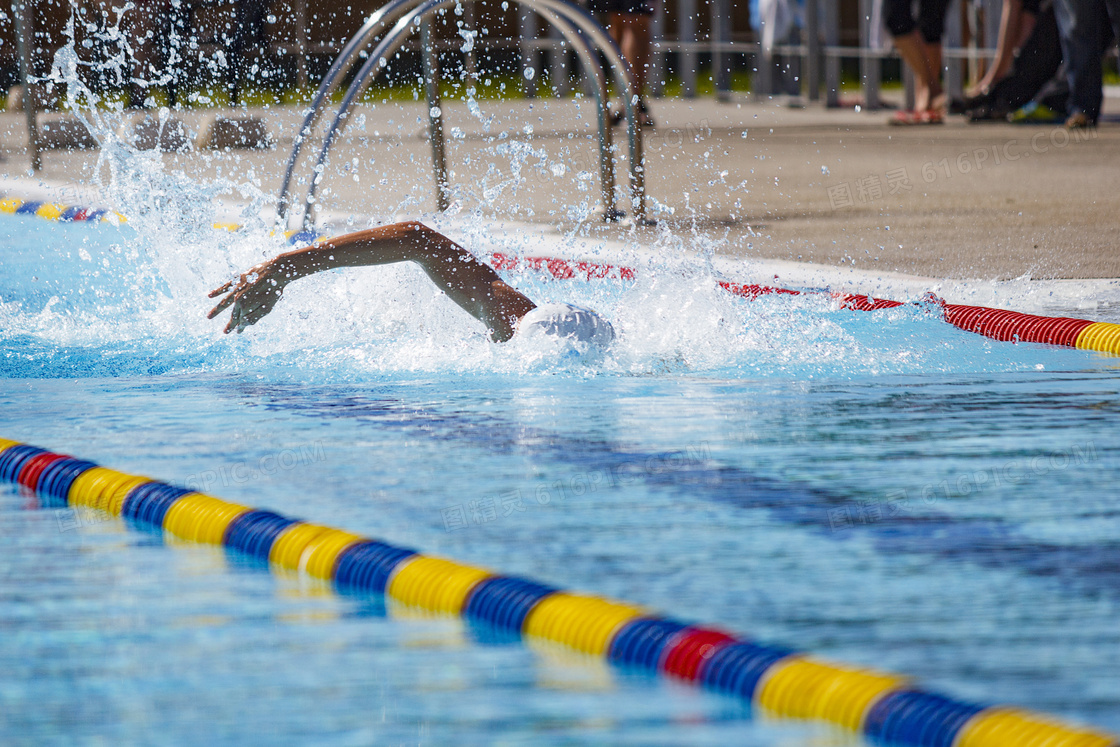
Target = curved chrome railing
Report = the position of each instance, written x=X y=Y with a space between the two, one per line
x=581 y=30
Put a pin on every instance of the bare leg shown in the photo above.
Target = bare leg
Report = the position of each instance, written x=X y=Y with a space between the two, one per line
x=1011 y=23
x=631 y=31
x=917 y=53
x=933 y=70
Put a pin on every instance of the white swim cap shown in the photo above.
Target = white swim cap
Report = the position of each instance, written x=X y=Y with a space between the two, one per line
x=565 y=321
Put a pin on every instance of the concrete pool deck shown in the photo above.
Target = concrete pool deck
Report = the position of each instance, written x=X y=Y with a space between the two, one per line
x=762 y=180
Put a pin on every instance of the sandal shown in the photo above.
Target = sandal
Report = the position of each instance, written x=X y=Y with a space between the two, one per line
x=904 y=117
x=907 y=117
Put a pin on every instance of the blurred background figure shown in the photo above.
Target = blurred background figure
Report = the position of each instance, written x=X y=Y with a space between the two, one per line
x=918 y=41
x=156 y=31
x=1034 y=80
x=1088 y=29
x=248 y=30
x=1016 y=24
x=629 y=24
x=159 y=39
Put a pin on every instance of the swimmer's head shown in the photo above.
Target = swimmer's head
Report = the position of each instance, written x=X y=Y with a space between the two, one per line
x=567 y=322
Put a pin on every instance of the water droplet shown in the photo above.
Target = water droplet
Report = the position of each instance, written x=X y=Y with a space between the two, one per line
x=530 y=73
x=825 y=171
x=435 y=112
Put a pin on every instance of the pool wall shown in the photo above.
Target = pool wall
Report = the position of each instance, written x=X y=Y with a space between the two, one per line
x=884 y=707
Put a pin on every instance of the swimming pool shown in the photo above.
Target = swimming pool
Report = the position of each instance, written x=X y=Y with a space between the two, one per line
x=881 y=489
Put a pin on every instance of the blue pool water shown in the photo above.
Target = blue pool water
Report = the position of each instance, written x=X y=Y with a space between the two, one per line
x=877 y=488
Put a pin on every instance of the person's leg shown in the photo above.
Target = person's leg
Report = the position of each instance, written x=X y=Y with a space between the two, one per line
x=176 y=30
x=931 y=24
x=913 y=50
x=1036 y=63
x=249 y=30
x=1010 y=38
x=1082 y=46
x=633 y=36
x=138 y=27
x=933 y=71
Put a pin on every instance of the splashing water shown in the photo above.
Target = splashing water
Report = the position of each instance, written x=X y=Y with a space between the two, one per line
x=132 y=299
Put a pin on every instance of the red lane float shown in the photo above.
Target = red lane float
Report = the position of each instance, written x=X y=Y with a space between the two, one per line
x=999 y=324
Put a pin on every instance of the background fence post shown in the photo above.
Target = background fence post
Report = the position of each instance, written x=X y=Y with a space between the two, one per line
x=25 y=28
x=721 y=55
x=657 y=71
x=831 y=61
x=813 y=49
x=686 y=37
x=528 y=23
x=870 y=65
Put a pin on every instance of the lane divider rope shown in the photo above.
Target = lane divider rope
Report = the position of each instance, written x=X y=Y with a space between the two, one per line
x=61 y=213
x=998 y=324
x=884 y=707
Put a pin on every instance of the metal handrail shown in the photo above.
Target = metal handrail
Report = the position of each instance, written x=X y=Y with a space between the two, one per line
x=581 y=30
x=392 y=42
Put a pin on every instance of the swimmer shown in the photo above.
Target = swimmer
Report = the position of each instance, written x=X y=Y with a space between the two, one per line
x=468 y=281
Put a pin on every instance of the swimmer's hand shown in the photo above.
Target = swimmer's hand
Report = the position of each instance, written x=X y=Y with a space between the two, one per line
x=252 y=297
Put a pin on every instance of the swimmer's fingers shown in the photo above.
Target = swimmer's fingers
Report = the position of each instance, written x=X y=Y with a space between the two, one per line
x=251 y=306
x=219 y=291
x=232 y=323
x=222 y=305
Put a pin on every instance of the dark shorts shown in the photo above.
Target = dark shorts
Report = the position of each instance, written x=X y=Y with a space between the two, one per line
x=631 y=7
x=930 y=20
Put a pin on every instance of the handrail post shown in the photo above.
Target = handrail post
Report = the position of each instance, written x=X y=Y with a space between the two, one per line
x=30 y=105
x=435 y=112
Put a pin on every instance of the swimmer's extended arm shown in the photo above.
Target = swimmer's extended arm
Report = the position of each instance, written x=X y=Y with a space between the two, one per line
x=468 y=281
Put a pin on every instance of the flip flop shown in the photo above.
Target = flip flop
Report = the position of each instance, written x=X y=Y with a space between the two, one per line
x=904 y=117
x=907 y=117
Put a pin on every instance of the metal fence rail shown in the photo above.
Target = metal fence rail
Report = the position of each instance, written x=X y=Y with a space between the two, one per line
x=806 y=63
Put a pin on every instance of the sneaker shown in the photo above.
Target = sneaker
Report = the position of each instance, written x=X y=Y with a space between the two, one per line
x=1034 y=113
x=1079 y=121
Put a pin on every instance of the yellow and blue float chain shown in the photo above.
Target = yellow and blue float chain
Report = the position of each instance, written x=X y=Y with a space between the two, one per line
x=57 y=212
x=83 y=214
x=884 y=707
